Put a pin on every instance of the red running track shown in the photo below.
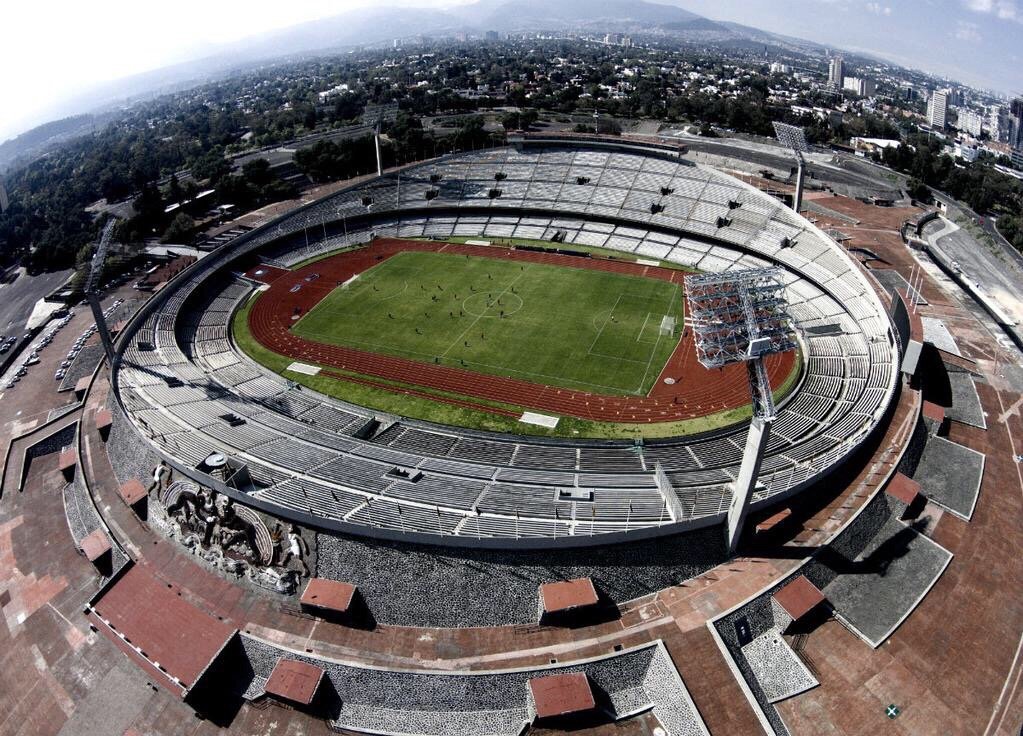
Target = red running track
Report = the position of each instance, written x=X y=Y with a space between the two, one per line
x=697 y=391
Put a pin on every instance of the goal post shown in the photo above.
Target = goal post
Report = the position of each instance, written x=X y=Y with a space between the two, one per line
x=667 y=326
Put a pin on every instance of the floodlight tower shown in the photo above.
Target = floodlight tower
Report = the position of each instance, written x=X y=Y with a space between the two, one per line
x=375 y=116
x=741 y=317
x=795 y=139
x=91 y=289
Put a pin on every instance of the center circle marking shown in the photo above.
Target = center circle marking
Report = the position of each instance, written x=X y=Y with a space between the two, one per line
x=476 y=305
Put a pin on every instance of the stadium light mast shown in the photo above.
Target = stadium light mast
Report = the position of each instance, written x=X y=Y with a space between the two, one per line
x=375 y=116
x=741 y=317
x=92 y=294
x=794 y=139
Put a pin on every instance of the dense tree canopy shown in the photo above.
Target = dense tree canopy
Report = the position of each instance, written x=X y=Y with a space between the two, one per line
x=161 y=153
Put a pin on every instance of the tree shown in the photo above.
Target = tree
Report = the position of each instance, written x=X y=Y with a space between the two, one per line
x=180 y=230
x=257 y=172
x=328 y=161
x=918 y=190
x=471 y=134
x=174 y=189
x=211 y=166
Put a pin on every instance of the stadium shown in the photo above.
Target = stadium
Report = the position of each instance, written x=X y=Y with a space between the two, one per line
x=185 y=385
x=459 y=449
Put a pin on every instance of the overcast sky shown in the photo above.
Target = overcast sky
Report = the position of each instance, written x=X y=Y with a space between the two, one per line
x=51 y=51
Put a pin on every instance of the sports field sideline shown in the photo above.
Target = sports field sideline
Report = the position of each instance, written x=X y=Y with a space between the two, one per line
x=560 y=326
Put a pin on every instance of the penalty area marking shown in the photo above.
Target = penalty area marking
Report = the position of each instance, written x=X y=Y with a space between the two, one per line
x=401 y=291
x=540 y=420
x=303 y=368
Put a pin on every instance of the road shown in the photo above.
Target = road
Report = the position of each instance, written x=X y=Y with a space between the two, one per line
x=986 y=223
x=830 y=168
x=17 y=299
x=999 y=274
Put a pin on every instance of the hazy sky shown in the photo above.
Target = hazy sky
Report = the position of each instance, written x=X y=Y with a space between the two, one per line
x=979 y=42
x=52 y=51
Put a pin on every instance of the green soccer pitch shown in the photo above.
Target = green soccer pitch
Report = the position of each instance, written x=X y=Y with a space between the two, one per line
x=572 y=327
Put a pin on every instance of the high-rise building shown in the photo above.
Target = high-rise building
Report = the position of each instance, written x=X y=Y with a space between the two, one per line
x=937 y=109
x=618 y=39
x=836 y=72
x=860 y=85
x=1017 y=158
x=998 y=123
x=1016 y=123
x=969 y=122
x=491 y=36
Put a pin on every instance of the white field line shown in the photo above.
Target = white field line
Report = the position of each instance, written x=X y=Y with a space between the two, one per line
x=461 y=337
x=643 y=328
x=606 y=320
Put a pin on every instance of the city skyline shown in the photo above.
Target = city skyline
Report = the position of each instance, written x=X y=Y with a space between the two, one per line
x=979 y=39
x=976 y=37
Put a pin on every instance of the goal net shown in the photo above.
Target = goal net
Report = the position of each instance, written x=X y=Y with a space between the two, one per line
x=667 y=325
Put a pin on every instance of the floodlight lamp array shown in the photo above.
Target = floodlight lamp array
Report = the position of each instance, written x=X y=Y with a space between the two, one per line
x=376 y=115
x=738 y=316
x=792 y=137
x=99 y=259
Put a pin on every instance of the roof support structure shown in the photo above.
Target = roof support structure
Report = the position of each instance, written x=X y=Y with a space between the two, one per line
x=375 y=116
x=794 y=138
x=92 y=295
x=741 y=317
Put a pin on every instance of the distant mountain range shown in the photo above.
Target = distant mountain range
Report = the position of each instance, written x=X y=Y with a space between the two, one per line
x=44 y=136
x=368 y=26
x=512 y=15
x=371 y=26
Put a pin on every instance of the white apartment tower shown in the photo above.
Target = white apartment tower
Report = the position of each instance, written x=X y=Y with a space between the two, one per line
x=836 y=72
x=937 y=109
x=970 y=122
x=863 y=87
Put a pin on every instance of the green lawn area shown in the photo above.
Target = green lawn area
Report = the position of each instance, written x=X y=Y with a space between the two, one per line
x=396 y=402
x=570 y=327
